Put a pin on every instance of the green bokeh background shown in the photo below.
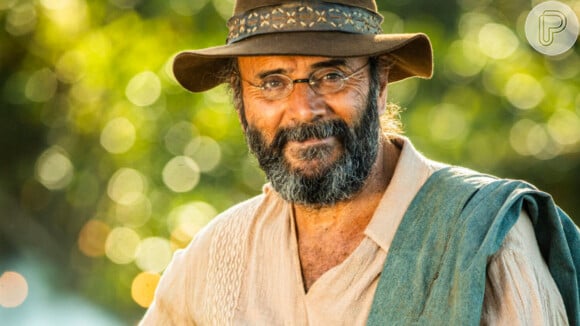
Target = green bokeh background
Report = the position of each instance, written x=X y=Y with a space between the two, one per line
x=95 y=131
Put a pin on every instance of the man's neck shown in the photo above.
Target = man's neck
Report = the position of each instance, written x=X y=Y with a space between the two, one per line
x=328 y=235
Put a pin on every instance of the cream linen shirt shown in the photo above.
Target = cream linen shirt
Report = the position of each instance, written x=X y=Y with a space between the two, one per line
x=267 y=287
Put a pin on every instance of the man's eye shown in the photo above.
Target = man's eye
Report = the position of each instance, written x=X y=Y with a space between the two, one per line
x=333 y=76
x=273 y=83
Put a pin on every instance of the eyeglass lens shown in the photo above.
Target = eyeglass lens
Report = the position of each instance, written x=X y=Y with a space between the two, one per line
x=322 y=81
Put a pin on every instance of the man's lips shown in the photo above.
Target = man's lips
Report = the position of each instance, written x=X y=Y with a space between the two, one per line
x=312 y=142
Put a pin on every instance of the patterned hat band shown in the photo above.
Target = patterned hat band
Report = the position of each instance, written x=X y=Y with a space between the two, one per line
x=303 y=17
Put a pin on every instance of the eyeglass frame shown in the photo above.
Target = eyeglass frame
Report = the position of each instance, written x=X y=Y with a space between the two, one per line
x=310 y=81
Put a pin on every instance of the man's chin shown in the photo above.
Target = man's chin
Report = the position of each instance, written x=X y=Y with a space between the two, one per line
x=311 y=174
x=313 y=168
x=313 y=161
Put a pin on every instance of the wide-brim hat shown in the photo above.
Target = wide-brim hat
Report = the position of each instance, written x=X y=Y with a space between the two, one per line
x=311 y=28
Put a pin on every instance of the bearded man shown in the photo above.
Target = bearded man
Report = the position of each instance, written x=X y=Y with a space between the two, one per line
x=355 y=226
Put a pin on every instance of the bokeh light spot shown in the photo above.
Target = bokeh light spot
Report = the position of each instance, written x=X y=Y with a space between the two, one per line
x=70 y=68
x=205 y=151
x=539 y=141
x=186 y=220
x=529 y=138
x=92 y=238
x=41 y=86
x=144 y=89
x=54 y=169
x=68 y=14
x=13 y=289
x=519 y=136
x=126 y=186
x=181 y=174
x=524 y=91
x=154 y=254
x=136 y=213
x=497 y=41
x=564 y=127
x=21 y=19
x=143 y=288
x=118 y=136
x=121 y=245
x=179 y=136
x=465 y=58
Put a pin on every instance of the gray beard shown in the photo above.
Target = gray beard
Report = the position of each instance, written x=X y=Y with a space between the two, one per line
x=336 y=182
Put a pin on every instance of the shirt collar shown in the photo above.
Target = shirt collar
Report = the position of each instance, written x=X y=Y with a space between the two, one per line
x=411 y=172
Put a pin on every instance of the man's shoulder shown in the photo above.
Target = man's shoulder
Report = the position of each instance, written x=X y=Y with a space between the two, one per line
x=238 y=219
x=236 y=216
x=464 y=179
x=468 y=191
x=244 y=208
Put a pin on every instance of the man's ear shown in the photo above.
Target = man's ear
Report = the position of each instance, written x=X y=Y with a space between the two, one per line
x=383 y=88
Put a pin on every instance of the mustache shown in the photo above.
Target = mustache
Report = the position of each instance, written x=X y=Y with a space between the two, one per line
x=330 y=128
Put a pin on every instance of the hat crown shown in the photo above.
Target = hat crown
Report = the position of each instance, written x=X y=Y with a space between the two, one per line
x=311 y=16
x=242 y=6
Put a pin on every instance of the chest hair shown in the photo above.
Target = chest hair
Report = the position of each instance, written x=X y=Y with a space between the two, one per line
x=319 y=254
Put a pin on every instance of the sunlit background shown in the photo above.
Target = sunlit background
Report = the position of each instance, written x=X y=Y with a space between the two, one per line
x=108 y=166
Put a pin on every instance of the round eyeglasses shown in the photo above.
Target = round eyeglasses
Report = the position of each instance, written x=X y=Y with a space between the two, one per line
x=323 y=81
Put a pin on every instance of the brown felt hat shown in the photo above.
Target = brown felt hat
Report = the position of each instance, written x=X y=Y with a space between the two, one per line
x=336 y=28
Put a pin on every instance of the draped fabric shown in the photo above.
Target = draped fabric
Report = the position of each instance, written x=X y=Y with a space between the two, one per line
x=436 y=269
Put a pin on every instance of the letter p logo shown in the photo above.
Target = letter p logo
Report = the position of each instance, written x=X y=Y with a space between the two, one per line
x=552 y=28
x=551 y=22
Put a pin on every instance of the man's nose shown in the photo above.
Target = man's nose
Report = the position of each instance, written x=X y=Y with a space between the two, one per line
x=304 y=105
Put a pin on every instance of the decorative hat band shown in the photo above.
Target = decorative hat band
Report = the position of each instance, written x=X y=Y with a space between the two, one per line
x=298 y=17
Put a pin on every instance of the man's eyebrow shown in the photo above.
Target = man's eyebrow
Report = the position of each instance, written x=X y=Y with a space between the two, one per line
x=264 y=74
x=329 y=63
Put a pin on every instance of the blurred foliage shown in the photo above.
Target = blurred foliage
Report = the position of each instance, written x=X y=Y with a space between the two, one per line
x=108 y=166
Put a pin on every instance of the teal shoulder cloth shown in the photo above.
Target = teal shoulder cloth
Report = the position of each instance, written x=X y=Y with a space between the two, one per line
x=436 y=268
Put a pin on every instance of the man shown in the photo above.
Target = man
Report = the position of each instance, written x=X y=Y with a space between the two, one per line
x=355 y=226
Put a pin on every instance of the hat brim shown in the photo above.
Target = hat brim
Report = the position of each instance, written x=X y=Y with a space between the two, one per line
x=200 y=70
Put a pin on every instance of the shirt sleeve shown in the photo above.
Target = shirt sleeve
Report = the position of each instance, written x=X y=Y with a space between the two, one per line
x=168 y=308
x=519 y=288
x=181 y=287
